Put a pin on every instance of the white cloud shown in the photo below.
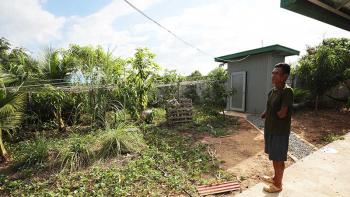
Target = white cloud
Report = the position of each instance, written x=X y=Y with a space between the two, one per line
x=218 y=27
x=24 y=22
x=224 y=27
x=101 y=28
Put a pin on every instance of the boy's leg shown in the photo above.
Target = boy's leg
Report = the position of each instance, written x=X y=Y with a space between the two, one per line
x=279 y=169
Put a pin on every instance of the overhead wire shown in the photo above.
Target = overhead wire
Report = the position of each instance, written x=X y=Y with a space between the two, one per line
x=178 y=37
x=149 y=18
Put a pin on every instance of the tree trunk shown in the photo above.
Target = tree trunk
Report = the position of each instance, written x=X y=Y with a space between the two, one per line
x=223 y=112
x=59 y=120
x=3 y=153
x=316 y=103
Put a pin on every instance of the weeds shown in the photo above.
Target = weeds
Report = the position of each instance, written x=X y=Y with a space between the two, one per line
x=332 y=137
x=124 y=139
x=37 y=153
x=171 y=165
x=77 y=154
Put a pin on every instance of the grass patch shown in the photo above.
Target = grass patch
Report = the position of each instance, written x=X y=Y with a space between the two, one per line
x=122 y=140
x=76 y=155
x=332 y=137
x=172 y=165
x=214 y=124
x=37 y=153
x=167 y=164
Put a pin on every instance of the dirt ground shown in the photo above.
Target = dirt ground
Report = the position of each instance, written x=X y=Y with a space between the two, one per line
x=242 y=154
x=314 y=127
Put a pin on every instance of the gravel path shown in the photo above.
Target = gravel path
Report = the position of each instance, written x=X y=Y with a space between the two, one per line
x=297 y=147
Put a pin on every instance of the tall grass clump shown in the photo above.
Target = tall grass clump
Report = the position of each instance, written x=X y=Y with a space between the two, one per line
x=77 y=154
x=122 y=140
x=36 y=153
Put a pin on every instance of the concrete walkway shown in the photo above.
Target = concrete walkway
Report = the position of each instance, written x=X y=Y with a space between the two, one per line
x=325 y=172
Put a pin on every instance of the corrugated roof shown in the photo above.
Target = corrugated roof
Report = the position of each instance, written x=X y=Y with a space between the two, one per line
x=273 y=48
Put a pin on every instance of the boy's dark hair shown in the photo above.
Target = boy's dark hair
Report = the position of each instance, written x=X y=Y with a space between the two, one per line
x=284 y=66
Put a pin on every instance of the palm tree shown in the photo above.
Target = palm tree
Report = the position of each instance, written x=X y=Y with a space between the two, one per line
x=52 y=68
x=11 y=107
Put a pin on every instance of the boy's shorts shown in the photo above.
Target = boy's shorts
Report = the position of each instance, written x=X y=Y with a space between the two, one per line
x=276 y=146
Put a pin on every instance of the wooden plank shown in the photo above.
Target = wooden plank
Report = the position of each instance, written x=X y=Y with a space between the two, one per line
x=219 y=184
x=218 y=188
x=179 y=112
x=205 y=189
x=184 y=116
x=179 y=109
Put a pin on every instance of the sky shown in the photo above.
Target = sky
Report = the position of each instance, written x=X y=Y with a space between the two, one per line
x=218 y=27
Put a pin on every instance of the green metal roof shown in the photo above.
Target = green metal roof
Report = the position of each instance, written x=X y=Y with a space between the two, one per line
x=333 y=12
x=273 y=48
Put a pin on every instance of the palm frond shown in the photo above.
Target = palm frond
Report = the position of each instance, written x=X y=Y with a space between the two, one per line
x=11 y=110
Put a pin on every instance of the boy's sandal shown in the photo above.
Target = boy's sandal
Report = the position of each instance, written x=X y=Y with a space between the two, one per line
x=272 y=189
x=267 y=179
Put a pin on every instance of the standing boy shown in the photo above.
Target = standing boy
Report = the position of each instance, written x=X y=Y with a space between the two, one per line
x=277 y=125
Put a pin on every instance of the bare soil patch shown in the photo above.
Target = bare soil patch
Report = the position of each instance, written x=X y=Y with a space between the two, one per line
x=317 y=127
x=242 y=154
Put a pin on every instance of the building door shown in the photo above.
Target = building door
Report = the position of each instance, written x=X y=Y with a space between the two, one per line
x=238 y=84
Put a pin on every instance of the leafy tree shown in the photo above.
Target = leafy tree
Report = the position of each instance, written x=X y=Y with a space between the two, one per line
x=78 y=65
x=195 y=75
x=325 y=66
x=216 y=94
x=140 y=81
x=17 y=62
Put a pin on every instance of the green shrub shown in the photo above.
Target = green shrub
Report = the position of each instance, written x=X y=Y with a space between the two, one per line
x=158 y=115
x=124 y=139
x=191 y=93
x=76 y=155
x=216 y=94
x=37 y=153
x=301 y=95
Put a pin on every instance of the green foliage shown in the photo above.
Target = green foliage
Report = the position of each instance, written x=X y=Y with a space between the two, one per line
x=301 y=95
x=36 y=153
x=191 y=93
x=11 y=109
x=216 y=125
x=195 y=75
x=124 y=139
x=163 y=162
x=140 y=81
x=191 y=90
x=216 y=94
x=169 y=92
x=324 y=66
x=76 y=155
x=171 y=165
x=52 y=67
x=158 y=115
x=332 y=137
x=17 y=62
x=48 y=104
